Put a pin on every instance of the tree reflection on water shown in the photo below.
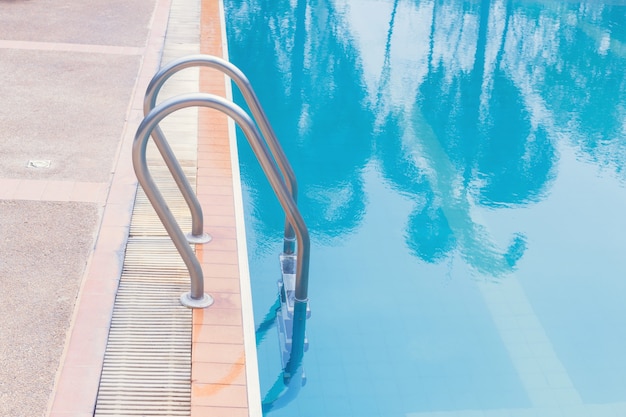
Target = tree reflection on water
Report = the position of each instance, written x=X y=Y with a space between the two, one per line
x=460 y=104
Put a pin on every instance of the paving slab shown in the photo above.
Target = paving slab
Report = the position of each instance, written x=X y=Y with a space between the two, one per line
x=43 y=250
x=98 y=22
x=68 y=72
x=64 y=107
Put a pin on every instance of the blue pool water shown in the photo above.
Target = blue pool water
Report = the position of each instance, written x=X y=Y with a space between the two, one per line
x=462 y=172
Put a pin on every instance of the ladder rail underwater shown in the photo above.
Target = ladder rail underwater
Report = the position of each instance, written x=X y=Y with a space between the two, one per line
x=294 y=260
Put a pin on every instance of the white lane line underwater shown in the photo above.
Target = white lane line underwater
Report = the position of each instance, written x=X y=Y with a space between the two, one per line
x=546 y=381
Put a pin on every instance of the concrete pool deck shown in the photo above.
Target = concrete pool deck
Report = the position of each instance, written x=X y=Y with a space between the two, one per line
x=74 y=76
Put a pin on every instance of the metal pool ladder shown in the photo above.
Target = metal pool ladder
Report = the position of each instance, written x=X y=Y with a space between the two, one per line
x=296 y=247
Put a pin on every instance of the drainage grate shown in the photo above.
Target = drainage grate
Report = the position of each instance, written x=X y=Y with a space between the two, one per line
x=145 y=221
x=147 y=364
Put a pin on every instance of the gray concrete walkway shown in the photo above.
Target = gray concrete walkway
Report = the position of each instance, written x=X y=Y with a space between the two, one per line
x=67 y=73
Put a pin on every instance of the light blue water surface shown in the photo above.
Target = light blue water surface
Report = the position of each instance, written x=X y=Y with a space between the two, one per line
x=461 y=170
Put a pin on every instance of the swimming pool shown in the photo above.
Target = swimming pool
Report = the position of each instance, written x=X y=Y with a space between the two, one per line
x=462 y=173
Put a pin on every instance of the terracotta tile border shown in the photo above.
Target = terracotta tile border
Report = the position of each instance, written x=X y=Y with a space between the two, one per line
x=78 y=378
x=224 y=364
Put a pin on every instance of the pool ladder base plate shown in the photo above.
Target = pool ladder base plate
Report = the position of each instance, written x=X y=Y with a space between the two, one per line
x=187 y=300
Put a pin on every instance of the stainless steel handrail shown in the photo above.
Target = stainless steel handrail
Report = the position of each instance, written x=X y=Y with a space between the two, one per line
x=197 y=234
x=253 y=103
x=196 y=298
x=260 y=148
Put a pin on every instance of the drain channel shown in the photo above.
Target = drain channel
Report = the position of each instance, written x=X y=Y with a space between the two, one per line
x=147 y=363
x=147 y=367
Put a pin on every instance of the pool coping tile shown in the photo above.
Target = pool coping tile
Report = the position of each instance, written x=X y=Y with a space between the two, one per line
x=224 y=365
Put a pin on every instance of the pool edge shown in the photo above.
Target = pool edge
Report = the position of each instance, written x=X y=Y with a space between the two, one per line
x=252 y=368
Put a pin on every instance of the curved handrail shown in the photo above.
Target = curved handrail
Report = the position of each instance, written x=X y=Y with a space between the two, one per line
x=253 y=103
x=196 y=298
x=197 y=219
x=264 y=156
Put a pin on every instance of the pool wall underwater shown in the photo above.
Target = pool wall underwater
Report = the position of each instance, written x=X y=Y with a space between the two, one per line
x=461 y=171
